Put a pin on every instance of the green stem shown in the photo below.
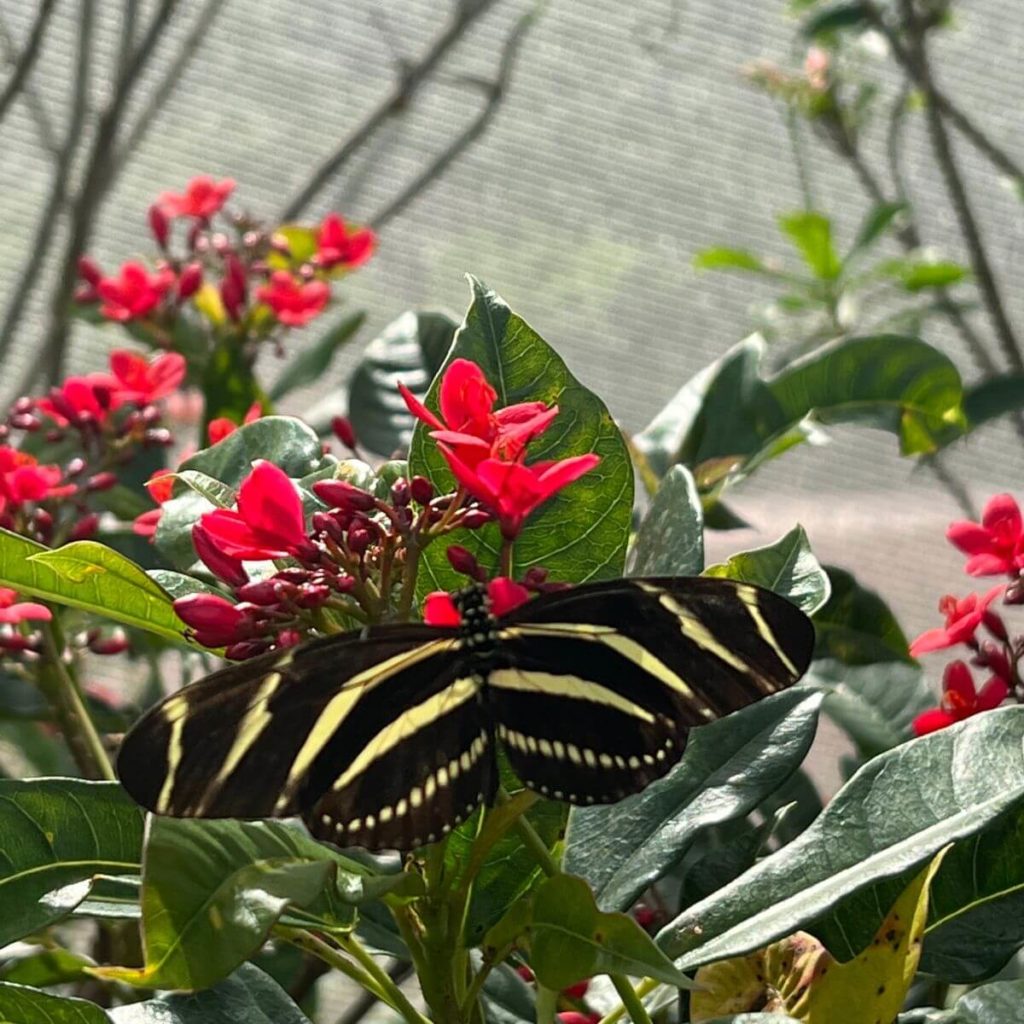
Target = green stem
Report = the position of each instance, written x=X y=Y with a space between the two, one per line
x=409 y=573
x=536 y=846
x=547 y=1003
x=395 y=996
x=630 y=999
x=646 y=987
x=506 y=558
x=61 y=688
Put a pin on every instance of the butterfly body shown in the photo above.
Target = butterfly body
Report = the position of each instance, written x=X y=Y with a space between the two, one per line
x=389 y=737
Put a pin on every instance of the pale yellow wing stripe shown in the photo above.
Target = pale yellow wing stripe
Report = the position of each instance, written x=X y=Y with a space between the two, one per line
x=529 y=681
x=174 y=754
x=339 y=707
x=625 y=646
x=407 y=724
x=748 y=595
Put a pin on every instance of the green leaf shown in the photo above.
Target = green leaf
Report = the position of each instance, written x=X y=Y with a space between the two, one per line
x=249 y=996
x=787 y=567
x=217 y=494
x=20 y=1004
x=90 y=576
x=56 y=834
x=993 y=398
x=670 y=541
x=856 y=626
x=308 y=366
x=582 y=532
x=45 y=968
x=846 y=14
x=916 y=277
x=729 y=767
x=719 y=258
x=507 y=998
x=995 y=1003
x=410 y=351
x=177 y=584
x=811 y=233
x=212 y=890
x=876 y=223
x=229 y=384
x=885 y=381
x=571 y=939
x=882 y=823
x=874 y=704
x=287 y=442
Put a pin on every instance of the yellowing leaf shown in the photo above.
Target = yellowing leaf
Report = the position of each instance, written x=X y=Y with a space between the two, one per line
x=799 y=977
x=208 y=301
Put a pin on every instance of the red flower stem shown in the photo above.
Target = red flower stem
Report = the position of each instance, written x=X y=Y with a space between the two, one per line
x=454 y=506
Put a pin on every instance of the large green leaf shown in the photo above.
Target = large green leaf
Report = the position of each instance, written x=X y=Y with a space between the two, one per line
x=287 y=442
x=999 y=1002
x=893 y=815
x=570 y=939
x=249 y=996
x=55 y=835
x=993 y=398
x=874 y=704
x=811 y=233
x=885 y=381
x=308 y=366
x=20 y=1004
x=211 y=891
x=410 y=351
x=787 y=567
x=507 y=998
x=728 y=768
x=855 y=625
x=90 y=576
x=581 y=533
x=670 y=541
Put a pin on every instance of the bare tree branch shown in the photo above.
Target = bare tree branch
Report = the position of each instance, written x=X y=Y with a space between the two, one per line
x=496 y=92
x=23 y=64
x=165 y=87
x=410 y=79
x=47 y=135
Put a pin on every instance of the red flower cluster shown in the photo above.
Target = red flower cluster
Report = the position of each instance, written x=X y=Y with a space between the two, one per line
x=134 y=293
x=339 y=246
x=202 y=198
x=485 y=449
x=294 y=302
x=995 y=546
x=24 y=480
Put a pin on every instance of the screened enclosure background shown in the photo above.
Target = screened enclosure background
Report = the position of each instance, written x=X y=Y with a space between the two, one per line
x=627 y=140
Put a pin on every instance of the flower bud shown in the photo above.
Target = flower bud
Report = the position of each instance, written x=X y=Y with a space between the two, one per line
x=474 y=518
x=190 y=281
x=995 y=625
x=421 y=489
x=116 y=643
x=224 y=567
x=358 y=539
x=991 y=656
x=18 y=642
x=344 y=431
x=324 y=522
x=288 y=638
x=25 y=421
x=159 y=225
x=233 y=287
x=215 y=620
x=342 y=494
x=86 y=527
x=535 y=577
x=1014 y=593
x=264 y=593
x=75 y=466
x=312 y=595
x=400 y=492
x=241 y=651
x=101 y=481
x=89 y=271
x=464 y=561
x=294 y=575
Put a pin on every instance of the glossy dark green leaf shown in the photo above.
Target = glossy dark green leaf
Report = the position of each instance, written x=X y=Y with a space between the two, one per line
x=287 y=442
x=213 y=889
x=846 y=14
x=410 y=351
x=45 y=968
x=885 y=381
x=799 y=799
x=999 y=1002
x=728 y=768
x=570 y=939
x=88 y=575
x=855 y=625
x=670 y=540
x=507 y=998
x=217 y=494
x=787 y=567
x=882 y=823
x=581 y=533
x=177 y=584
x=720 y=258
x=811 y=233
x=310 y=364
x=993 y=398
x=721 y=854
x=874 y=226
x=249 y=996
x=55 y=835
x=874 y=704
x=20 y=1004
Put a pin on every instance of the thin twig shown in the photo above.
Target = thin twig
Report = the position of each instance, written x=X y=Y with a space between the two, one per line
x=44 y=126
x=496 y=91
x=411 y=77
x=23 y=63
x=190 y=45
x=365 y=1001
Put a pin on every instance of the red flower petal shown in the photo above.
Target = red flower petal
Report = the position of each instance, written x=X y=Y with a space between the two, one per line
x=932 y=721
x=271 y=506
x=235 y=538
x=418 y=409
x=992 y=694
x=505 y=595
x=466 y=399
x=439 y=610
x=1002 y=514
x=930 y=640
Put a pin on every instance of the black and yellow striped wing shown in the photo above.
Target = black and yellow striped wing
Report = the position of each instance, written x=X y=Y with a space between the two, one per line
x=386 y=739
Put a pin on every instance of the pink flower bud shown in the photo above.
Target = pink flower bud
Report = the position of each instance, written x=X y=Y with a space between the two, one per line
x=263 y=592
x=89 y=271
x=233 y=287
x=86 y=527
x=358 y=539
x=242 y=651
x=401 y=492
x=421 y=489
x=159 y=225
x=475 y=518
x=216 y=621
x=312 y=596
x=464 y=561
x=289 y=638
x=341 y=494
x=190 y=281
x=344 y=431
x=101 y=481
x=116 y=643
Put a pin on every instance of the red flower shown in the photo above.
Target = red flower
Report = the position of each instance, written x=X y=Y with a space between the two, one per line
x=12 y=610
x=160 y=486
x=142 y=381
x=575 y=1017
x=996 y=545
x=203 y=197
x=469 y=424
x=513 y=491
x=960 y=699
x=963 y=617
x=269 y=522
x=134 y=293
x=215 y=621
x=338 y=246
x=22 y=479
x=440 y=610
x=219 y=428
x=294 y=303
x=79 y=398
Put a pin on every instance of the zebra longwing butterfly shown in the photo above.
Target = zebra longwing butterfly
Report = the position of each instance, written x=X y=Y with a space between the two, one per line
x=387 y=738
